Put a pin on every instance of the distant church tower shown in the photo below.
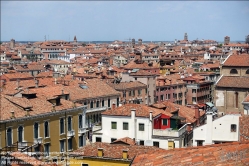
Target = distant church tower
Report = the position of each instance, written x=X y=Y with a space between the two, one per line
x=185 y=36
x=12 y=43
x=75 y=39
x=226 y=40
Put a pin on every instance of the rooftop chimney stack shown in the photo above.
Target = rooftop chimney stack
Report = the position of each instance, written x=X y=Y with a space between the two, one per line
x=36 y=83
x=125 y=154
x=100 y=152
x=113 y=106
x=197 y=115
x=12 y=114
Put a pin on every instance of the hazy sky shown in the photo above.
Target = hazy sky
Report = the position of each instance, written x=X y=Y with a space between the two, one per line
x=121 y=20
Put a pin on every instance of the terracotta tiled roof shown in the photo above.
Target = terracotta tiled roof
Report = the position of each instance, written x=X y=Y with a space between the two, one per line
x=233 y=82
x=143 y=73
x=39 y=105
x=246 y=98
x=127 y=85
x=114 y=151
x=125 y=140
x=184 y=111
x=237 y=60
x=243 y=128
x=18 y=75
x=219 y=154
x=141 y=111
x=23 y=158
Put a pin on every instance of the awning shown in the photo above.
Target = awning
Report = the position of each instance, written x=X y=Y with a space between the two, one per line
x=209 y=104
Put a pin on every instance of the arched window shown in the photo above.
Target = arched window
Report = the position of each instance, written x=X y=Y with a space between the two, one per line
x=20 y=133
x=9 y=137
x=247 y=72
x=233 y=71
x=69 y=123
x=80 y=121
x=46 y=128
x=36 y=130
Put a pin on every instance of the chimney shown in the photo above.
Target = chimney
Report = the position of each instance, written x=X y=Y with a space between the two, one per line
x=27 y=112
x=125 y=154
x=150 y=125
x=53 y=109
x=197 y=115
x=189 y=127
x=62 y=92
x=100 y=152
x=133 y=123
x=36 y=83
x=208 y=139
x=12 y=114
x=113 y=106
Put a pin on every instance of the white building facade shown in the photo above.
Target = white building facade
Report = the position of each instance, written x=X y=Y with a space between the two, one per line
x=138 y=128
x=223 y=129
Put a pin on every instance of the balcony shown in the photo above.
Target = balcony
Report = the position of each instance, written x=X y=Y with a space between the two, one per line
x=95 y=128
x=70 y=133
x=169 y=132
x=38 y=140
x=22 y=144
x=96 y=109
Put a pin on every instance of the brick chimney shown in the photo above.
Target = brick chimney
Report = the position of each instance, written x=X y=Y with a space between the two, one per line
x=113 y=106
x=197 y=115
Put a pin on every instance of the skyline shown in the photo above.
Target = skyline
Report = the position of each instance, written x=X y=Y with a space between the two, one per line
x=121 y=20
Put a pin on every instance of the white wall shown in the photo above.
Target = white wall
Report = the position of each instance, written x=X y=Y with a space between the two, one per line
x=107 y=133
x=221 y=130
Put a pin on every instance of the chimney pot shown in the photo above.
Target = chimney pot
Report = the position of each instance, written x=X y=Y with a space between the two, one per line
x=100 y=152
x=113 y=105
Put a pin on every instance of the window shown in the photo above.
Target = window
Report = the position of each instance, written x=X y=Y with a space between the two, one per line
x=46 y=128
x=117 y=102
x=70 y=144
x=247 y=72
x=146 y=91
x=91 y=104
x=62 y=126
x=98 y=139
x=156 y=144
x=9 y=137
x=84 y=165
x=62 y=145
x=193 y=99
x=233 y=71
x=46 y=149
x=141 y=127
x=129 y=93
x=165 y=122
x=233 y=127
x=109 y=102
x=69 y=123
x=97 y=104
x=113 y=139
x=141 y=142
x=36 y=130
x=81 y=141
x=193 y=90
x=103 y=103
x=20 y=133
x=236 y=99
x=125 y=126
x=80 y=121
x=161 y=97
x=114 y=125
